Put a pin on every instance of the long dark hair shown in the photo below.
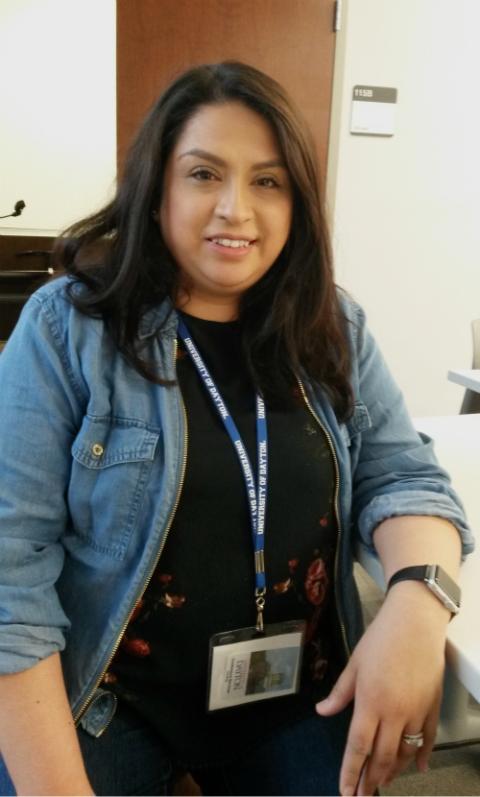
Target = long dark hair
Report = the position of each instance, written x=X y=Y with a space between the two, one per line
x=291 y=318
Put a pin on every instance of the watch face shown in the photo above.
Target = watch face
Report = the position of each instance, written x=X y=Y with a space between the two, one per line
x=446 y=588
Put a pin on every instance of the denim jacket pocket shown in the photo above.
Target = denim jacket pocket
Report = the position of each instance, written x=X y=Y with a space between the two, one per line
x=112 y=460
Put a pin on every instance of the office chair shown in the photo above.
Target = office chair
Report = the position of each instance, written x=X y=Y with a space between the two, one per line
x=471 y=399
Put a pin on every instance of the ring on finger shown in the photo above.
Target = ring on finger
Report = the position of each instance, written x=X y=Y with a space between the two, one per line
x=413 y=739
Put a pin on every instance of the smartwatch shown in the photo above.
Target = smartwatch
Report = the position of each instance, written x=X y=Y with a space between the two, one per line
x=436 y=579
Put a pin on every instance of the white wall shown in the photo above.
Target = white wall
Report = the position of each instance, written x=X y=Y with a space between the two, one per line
x=58 y=107
x=406 y=210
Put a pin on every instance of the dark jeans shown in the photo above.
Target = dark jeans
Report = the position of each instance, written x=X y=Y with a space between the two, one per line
x=302 y=759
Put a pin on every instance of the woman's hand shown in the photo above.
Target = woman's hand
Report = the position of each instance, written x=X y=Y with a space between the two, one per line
x=395 y=677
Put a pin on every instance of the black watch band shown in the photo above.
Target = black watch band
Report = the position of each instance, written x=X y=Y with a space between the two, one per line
x=414 y=573
x=436 y=579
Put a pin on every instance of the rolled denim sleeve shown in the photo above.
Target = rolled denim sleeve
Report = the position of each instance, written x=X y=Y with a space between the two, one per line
x=39 y=410
x=396 y=471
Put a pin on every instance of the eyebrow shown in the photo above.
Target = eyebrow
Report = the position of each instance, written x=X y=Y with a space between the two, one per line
x=209 y=156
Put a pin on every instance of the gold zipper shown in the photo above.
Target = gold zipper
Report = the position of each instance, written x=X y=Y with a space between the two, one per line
x=337 y=513
x=157 y=559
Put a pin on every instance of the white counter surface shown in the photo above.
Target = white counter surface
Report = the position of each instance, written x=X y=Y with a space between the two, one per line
x=469 y=379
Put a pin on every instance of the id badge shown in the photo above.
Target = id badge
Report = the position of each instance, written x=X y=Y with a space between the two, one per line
x=246 y=666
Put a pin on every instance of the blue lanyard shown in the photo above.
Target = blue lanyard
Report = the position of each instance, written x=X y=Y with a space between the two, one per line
x=256 y=493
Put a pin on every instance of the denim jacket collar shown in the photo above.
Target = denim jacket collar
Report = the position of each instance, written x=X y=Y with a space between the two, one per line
x=161 y=318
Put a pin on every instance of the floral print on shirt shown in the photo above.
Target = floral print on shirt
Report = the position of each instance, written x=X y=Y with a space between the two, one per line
x=158 y=594
x=311 y=585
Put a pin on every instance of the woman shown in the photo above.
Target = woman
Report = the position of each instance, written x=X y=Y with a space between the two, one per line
x=129 y=501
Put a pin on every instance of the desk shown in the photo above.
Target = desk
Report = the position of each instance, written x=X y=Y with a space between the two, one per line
x=469 y=379
x=457 y=445
x=16 y=285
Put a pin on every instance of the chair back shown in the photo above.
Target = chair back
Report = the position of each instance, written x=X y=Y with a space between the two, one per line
x=471 y=399
x=476 y=342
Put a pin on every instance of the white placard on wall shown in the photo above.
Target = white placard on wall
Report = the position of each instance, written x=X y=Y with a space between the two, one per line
x=373 y=111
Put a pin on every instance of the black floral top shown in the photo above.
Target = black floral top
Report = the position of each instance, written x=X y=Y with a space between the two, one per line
x=204 y=582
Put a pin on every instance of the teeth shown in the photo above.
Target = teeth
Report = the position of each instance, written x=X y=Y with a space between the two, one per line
x=233 y=244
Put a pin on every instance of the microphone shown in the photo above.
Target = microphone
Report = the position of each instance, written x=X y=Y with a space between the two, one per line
x=19 y=206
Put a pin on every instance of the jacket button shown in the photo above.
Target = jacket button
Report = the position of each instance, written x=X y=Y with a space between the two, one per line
x=97 y=449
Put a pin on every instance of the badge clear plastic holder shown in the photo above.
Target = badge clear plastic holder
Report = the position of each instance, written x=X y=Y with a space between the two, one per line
x=246 y=666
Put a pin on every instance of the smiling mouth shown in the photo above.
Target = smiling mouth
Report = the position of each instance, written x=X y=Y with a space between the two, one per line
x=232 y=243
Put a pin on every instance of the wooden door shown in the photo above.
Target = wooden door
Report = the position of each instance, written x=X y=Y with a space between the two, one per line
x=292 y=40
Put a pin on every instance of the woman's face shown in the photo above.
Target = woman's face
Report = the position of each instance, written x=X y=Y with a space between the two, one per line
x=226 y=209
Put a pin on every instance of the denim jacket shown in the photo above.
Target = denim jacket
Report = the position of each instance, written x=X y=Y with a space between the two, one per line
x=92 y=458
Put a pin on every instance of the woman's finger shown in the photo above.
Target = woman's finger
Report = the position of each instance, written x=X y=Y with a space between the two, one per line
x=359 y=746
x=382 y=764
x=341 y=694
x=408 y=752
x=429 y=732
x=428 y=728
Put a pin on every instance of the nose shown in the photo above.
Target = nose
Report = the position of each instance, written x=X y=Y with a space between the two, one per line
x=233 y=203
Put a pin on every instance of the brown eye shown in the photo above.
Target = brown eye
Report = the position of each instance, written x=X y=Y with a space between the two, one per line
x=267 y=182
x=203 y=175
